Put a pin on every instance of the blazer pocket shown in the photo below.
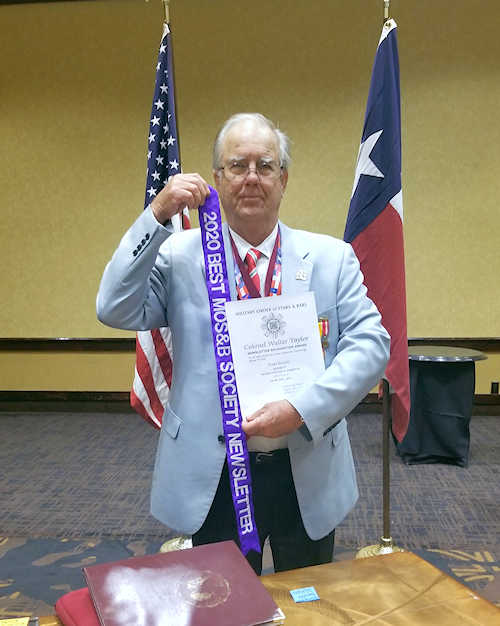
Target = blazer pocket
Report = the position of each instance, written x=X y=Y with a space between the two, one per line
x=338 y=432
x=171 y=423
x=331 y=316
x=330 y=350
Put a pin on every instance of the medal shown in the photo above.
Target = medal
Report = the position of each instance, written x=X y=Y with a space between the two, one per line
x=324 y=330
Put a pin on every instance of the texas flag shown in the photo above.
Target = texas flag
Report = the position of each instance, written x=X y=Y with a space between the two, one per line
x=375 y=220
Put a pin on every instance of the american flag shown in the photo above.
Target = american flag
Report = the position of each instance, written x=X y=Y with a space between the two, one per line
x=375 y=219
x=153 y=368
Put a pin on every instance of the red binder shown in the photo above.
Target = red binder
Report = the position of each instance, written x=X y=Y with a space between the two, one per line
x=209 y=585
x=77 y=609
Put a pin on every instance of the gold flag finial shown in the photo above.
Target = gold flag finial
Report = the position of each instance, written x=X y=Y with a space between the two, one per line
x=386 y=10
x=166 y=5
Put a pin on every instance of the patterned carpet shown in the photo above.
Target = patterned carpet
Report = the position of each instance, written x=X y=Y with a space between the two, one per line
x=34 y=573
x=74 y=490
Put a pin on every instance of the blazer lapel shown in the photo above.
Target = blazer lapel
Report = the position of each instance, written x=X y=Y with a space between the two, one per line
x=229 y=261
x=297 y=270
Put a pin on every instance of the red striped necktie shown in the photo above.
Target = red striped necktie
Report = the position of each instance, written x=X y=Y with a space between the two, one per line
x=251 y=259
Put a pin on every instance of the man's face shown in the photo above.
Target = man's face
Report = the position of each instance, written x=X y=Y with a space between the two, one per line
x=252 y=203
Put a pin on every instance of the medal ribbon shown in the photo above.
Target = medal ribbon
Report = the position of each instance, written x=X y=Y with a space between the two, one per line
x=236 y=444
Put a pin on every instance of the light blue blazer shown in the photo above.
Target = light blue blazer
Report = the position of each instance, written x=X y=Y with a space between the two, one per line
x=157 y=279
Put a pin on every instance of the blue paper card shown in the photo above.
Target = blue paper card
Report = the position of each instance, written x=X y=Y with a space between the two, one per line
x=306 y=594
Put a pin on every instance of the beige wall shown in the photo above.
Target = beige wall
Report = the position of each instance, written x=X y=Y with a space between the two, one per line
x=71 y=371
x=76 y=83
x=42 y=371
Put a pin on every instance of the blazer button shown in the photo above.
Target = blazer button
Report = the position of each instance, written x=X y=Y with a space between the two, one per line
x=221 y=439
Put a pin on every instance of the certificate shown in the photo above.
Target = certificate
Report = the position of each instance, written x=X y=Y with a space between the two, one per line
x=276 y=347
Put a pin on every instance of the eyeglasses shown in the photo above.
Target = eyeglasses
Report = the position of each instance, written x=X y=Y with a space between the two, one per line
x=238 y=171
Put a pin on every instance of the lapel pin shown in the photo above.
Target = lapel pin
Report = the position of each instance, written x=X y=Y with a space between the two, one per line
x=301 y=275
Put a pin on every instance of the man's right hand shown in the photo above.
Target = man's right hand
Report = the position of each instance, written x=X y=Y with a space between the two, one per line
x=182 y=191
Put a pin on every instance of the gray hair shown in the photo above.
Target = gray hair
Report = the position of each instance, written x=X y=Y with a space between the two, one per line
x=240 y=118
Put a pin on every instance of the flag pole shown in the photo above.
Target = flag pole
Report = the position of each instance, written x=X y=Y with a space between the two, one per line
x=166 y=24
x=166 y=6
x=166 y=27
x=386 y=10
x=181 y=542
x=386 y=545
x=167 y=10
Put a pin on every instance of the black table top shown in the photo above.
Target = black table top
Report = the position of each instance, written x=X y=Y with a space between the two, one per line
x=444 y=354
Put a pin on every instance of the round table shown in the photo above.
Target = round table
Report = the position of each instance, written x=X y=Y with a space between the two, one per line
x=444 y=354
x=442 y=381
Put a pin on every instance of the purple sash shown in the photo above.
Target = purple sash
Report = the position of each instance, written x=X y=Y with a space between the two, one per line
x=236 y=443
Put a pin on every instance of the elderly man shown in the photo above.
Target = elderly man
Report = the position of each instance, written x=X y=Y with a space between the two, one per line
x=301 y=465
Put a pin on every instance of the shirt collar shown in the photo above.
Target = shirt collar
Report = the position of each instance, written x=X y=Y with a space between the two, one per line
x=266 y=247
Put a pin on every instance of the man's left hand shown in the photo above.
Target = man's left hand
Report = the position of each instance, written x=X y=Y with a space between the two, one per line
x=272 y=420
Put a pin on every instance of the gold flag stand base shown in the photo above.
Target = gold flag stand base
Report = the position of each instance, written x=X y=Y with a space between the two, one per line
x=177 y=543
x=386 y=546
